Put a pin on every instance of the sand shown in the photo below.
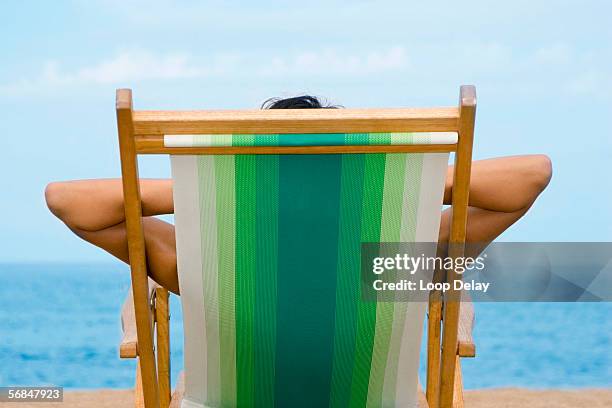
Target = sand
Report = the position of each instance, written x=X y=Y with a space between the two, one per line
x=492 y=398
x=517 y=397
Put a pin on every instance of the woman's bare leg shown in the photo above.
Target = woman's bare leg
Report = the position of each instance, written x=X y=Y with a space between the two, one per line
x=501 y=192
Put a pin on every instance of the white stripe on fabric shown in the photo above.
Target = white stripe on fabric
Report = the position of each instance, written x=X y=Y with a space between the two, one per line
x=178 y=140
x=189 y=265
x=433 y=175
x=197 y=140
x=424 y=138
x=187 y=403
x=435 y=138
x=413 y=164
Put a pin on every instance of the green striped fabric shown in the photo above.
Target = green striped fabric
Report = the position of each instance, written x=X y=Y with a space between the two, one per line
x=309 y=139
x=279 y=247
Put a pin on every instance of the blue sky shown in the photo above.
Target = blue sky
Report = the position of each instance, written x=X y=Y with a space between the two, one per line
x=542 y=70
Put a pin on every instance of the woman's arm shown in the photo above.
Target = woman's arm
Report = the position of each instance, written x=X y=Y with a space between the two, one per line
x=501 y=192
x=504 y=184
x=93 y=209
x=92 y=205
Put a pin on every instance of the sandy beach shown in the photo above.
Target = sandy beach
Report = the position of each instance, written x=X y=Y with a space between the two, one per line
x=491 y=398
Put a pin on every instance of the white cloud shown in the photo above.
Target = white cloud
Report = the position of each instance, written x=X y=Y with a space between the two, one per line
x=134 y=66
x=555 y=66
x=126 y=66
x=330 y=62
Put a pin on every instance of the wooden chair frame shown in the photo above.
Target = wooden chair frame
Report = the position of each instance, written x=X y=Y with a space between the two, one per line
x=145 y=314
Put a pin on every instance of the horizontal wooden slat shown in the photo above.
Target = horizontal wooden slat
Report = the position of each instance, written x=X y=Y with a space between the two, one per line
x=466 y=349
x=296 y=121
x=155 y=145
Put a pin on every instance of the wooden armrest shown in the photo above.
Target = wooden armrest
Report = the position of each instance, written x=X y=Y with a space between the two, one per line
x=465 y=341
x=128 y=348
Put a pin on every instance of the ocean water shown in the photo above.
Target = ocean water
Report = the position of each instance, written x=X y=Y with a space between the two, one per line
x=59 y=324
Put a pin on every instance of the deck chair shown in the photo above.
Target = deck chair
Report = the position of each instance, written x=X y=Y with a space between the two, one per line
x=271 y=210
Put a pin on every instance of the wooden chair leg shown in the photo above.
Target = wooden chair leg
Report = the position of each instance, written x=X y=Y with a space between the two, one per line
x=458 y=386
x=138 y=393
x=162 y=317
x=433 y=349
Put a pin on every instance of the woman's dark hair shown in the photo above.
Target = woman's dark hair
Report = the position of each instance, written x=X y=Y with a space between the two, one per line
x=297 y=102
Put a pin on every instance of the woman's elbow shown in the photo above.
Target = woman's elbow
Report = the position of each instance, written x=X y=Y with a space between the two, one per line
x=541 y=171
x=56 y=197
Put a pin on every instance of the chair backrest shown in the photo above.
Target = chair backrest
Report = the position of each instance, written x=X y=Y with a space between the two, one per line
x=269 y=253
x=270 y=210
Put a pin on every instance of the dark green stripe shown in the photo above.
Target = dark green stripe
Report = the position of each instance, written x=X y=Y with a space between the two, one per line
x=266 y=140
x=366 y=314
x=265 y=284
x=245 y=277
x=309 y=192
x=311 y=139
x=347 y=293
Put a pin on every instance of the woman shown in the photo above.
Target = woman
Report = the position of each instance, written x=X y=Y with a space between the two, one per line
x=501 y=191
